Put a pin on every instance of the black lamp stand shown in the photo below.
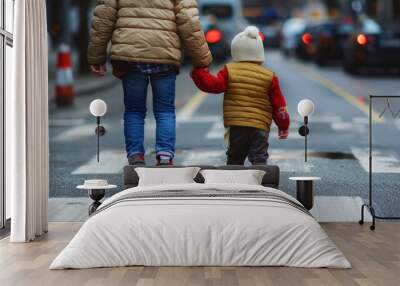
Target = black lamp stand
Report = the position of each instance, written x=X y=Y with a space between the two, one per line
x=304 y=131
x=100 y=131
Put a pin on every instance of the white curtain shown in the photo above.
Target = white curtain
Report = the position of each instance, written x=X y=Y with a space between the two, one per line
x=27 y=123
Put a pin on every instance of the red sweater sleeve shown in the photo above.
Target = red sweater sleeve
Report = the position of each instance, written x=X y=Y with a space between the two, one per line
x=280 y=113
x=207 y=82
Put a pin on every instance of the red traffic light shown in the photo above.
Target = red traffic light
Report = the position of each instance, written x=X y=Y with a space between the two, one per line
x=213 y=36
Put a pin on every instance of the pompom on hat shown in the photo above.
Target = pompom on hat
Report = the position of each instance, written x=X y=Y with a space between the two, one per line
x=248 y=46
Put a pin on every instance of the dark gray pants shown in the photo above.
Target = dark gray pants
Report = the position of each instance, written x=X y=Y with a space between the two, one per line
x=247 y=142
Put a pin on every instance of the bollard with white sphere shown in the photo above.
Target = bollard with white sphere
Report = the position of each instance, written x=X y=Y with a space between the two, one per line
x=98 y=108
x=305 y=109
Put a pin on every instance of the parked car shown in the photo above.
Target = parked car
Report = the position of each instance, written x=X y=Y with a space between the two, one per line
x=329 y=41
x=306 y=48
x=216 y=39
x=291 y=31
x=372 y=45
x=228 y=14
x=323 y=41
x=271 y=36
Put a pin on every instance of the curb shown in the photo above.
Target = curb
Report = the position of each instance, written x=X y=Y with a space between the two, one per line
x=97 y=85
x=87 y=87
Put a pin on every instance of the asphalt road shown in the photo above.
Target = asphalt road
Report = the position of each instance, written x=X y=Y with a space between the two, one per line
x=338 y=142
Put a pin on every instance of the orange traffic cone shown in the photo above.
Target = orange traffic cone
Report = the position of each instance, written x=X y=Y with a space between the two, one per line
x=65 y=91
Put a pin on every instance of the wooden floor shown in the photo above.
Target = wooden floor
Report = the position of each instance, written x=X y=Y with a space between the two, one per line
x=375 y=257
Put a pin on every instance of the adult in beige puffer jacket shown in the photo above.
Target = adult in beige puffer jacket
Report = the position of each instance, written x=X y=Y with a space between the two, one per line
x=147 y=42
x=149 y=31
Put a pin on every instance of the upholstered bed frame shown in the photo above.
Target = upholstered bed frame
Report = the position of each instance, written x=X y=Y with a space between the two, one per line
x=247 y=225
x=271 y=178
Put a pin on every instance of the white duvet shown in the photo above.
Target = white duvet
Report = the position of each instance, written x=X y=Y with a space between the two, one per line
x=200 y=232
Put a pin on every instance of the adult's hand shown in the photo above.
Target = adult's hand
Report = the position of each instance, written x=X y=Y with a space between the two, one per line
x=99 y=70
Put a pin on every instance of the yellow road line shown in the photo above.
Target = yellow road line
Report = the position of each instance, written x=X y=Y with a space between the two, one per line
x=336 y=89
x=193 y=104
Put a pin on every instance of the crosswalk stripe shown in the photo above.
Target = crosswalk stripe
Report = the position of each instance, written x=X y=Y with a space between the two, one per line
x=205 y=157
x=383 y=161
x=326 y=209
x=294 y=165
x=290 y=160
x=349 y=126
x=397 y=123
x=287 y=160
x=195 y=119
x=200 y=119
x=111 y=162
x=60 y=122
x=217 y=131
x=361 y=120
x=318 y=119
x=293 y=133
x=77 y=133
x=68 y=209
x=338 y=209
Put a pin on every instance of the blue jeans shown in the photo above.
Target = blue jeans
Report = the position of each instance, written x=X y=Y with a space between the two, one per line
x=135 y=85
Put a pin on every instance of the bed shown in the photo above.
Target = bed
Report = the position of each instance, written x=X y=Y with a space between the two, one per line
x=197 y=224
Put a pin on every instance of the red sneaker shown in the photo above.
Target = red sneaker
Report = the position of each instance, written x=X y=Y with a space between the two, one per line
x=163 y=160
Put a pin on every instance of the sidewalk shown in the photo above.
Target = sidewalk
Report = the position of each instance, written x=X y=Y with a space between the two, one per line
x=86 y=85
x=326 y=209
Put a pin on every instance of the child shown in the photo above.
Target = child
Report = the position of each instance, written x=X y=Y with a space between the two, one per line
x=147 y=38
x=252 y=99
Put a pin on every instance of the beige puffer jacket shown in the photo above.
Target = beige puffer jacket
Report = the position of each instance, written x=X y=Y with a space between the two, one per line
x=149 y=31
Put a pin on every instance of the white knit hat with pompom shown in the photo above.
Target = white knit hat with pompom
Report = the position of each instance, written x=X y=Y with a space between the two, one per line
x=247 y=46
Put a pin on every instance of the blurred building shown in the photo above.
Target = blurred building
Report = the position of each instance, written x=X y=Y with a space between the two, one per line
x=68 y=22
x=282 y=8
x=383 y=10
x=386 y=10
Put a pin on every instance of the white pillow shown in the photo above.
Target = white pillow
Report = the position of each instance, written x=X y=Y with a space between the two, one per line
x=166 y=176
x=247 y=177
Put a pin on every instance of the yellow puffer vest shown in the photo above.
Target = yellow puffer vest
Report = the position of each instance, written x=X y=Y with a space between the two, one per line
x=246 y=101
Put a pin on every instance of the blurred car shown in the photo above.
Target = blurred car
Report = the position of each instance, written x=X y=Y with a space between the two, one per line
x=228 y=14
x=372 y=45
x=323 y=41
x=329 y=41
x=217 y=41
x=271 y=36
x=306 y=48
x=291 y=31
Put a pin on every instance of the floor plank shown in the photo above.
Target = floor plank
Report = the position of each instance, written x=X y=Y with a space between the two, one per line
x=375 y=257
